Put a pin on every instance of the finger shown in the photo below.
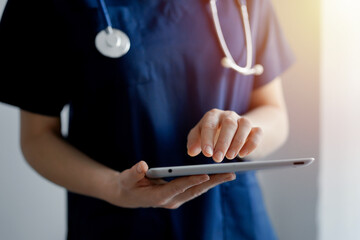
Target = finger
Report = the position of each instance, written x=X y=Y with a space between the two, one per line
x=157 y=181
x=198 y=190
x=229 y=126
x=135 y=173
x=208 y=128
x=180 y=185
x=194 y=141
x=252 y=142
x=244 y=129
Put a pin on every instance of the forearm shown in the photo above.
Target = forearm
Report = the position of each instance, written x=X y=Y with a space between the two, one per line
x=61 y=163
x=274 y=123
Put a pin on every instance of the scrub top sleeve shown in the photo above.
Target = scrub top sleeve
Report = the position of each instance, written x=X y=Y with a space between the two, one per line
x=34 y=56
x=272 y=49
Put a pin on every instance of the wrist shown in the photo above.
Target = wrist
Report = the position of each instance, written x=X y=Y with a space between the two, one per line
x=108 y=186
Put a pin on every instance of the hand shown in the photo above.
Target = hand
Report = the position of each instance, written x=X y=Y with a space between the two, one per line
x=223 y=133
x=132 y=189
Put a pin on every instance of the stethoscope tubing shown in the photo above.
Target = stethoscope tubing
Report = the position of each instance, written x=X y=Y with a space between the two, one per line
x=228 y=61
x=105 y=13
x=122 y=40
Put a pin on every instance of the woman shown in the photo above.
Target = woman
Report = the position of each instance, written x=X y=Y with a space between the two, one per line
x=167 y=102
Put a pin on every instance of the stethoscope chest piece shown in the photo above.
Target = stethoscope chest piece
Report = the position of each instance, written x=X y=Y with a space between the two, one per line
x=112 y=42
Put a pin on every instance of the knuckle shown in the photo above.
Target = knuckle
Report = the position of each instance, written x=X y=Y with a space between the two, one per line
x=193 y=193
x=197 y=193
x=159 y=201
x=252 y=140
x=194 y=180
x=177 y=189
x=222 y=142
x=182 y=186
x=210 y=125
x=230 y=121
x=244 y=122
x=232 y=114
x=172 y=206
x=228 y=178
x=258 y=131
x=238 y=142
x=204 y=191
x=211 y=114
x=256 y=136
x=213 y=111
x=252 y=144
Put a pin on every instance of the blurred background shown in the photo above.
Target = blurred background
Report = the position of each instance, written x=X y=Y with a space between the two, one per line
x=321 y=90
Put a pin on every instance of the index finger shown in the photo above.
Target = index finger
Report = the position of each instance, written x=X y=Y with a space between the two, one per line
x=193 y=141
x=208 y=129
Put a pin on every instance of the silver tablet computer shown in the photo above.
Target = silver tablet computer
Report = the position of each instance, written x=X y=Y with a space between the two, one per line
x=176 y=171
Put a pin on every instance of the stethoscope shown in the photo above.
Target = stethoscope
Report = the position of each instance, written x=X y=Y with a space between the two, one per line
x=111 y=42
x=114 y=43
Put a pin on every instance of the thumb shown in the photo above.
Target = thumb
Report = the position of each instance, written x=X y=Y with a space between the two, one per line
x=136 y=172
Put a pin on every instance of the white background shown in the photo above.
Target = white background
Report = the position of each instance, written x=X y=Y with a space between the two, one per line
x=339 y=210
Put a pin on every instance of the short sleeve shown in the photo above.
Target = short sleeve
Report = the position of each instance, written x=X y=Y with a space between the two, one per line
x=272 y=48
x=36 y=61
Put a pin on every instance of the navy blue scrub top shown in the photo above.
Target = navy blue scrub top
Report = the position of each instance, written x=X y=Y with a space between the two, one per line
x=142 y=106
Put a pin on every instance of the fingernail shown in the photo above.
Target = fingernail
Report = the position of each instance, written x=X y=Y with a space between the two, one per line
x=243 y=154
x=219 y=156
x=231 y=154
x=138 y=168
x=209 y=150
